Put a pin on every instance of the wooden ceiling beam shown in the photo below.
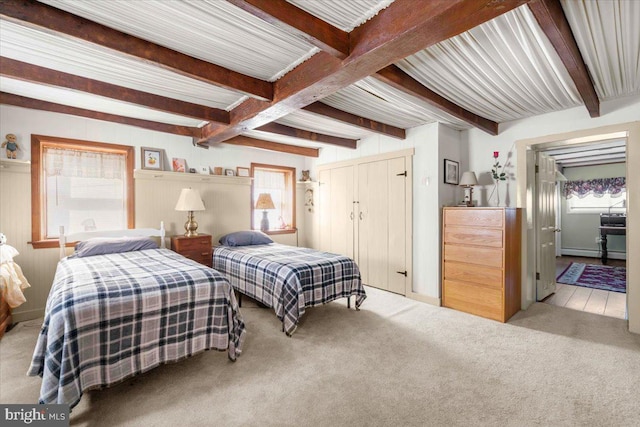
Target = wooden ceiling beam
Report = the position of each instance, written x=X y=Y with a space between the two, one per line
x=299 y=22
x=335 y=42
x=553 y=22
x=39 y=15
x=395 y=77
x=246 y=141
x=352 y=119
x=36 y=104
x=34 y=73
x=281 y=129
x=400 y=30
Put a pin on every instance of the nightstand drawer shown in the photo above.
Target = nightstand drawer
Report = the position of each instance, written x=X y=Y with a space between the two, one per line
x=191 y=243
x=197 y=248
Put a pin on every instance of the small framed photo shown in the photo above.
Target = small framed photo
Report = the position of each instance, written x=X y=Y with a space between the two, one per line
x=451 y=172
x=229 y=172
x=242 y=171
x=204 y=170
x=152 y=158
x=179 y=165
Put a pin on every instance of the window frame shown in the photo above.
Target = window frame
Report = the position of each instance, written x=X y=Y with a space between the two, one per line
x=290 y=177
x=38 y=144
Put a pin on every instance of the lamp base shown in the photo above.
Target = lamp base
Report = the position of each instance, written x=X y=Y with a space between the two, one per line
x=264 y=224
x=468 y=200
x=191 y=226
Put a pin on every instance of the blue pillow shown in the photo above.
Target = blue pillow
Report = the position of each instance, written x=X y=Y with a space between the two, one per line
x=110 y=245
x=245 y=238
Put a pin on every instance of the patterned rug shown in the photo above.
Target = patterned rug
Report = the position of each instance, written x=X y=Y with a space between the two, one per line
x=595 y=276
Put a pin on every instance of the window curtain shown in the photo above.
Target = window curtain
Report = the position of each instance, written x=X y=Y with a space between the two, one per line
x=596 y=187
x=267 y=180
x=83 y=164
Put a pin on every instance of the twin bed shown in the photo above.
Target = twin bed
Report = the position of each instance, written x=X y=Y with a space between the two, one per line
x=117 y=312
x=289 y=279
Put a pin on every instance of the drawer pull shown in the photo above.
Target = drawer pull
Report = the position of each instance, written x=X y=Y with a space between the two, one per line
x=404 y=273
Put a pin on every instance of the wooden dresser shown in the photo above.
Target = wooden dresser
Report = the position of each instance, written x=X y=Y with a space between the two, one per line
x=198 y=248
x=481 y=261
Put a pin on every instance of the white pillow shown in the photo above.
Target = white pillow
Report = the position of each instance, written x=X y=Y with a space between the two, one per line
x=7 y=253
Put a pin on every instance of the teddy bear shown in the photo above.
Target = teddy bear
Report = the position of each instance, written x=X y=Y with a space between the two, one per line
x=11 y=145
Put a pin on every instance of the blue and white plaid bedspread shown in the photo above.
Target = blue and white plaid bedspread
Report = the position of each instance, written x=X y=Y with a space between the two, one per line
x=109 y=317
x=289 y=278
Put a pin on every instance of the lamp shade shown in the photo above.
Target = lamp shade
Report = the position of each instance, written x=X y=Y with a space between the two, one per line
x=189 y=200
x=468 y=179
x=265 y=202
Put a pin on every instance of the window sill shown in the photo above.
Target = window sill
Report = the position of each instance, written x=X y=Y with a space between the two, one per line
x=47 y=244
x=285 y=231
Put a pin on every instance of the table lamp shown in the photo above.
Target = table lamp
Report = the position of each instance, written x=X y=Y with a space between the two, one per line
x=468 y=180
x=265 y=203
x=190 y=201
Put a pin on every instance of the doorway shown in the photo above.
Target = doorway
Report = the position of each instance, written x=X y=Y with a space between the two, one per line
x=525 y=198
x=588 y=193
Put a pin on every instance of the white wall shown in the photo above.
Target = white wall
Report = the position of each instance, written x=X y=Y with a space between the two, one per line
x=23 y=122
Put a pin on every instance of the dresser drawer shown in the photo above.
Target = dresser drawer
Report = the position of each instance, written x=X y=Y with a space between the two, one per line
x=473 y=236
x=476 y=255
x=473 y=299
x=486 y=276
x=474 y=217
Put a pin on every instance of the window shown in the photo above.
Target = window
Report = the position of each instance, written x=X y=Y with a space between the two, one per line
x=591 y=203
x=278 y=182
x=80 y=185
x=598 y=195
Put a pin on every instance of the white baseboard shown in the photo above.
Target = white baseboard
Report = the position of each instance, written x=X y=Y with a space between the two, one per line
x=23 y=316
x=425 y=298
x=593 y=254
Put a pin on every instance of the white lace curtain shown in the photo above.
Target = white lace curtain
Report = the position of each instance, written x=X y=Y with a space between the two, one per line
x=84 y=164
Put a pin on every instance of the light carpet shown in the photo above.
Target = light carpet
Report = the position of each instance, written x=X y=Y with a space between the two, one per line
x=397 y=362
x=595 y=276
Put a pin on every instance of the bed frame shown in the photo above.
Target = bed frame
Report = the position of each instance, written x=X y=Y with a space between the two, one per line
x=131 y=232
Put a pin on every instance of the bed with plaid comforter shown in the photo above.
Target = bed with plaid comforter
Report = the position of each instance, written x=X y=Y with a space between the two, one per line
x=110 y=317
x=288 y=278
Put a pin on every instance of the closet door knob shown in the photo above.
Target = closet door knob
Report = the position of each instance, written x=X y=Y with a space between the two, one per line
x=351 y=216
x=360 y=216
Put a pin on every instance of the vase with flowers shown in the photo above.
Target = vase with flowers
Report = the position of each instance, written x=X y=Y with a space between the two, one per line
x=498 y=174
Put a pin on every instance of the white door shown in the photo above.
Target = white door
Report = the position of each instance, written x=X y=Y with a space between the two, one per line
x=545 y=220
x=382 y=228
x=397 y=265
x=336 y=215
x=373 y=224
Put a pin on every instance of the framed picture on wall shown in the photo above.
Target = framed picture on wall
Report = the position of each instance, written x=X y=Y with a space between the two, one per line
x=229 y=172
x=179 y=165
x=242 y=171
x=451 y=172
x=152 y=158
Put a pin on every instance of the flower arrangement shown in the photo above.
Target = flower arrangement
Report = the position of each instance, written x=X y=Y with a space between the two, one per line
x=495 y=172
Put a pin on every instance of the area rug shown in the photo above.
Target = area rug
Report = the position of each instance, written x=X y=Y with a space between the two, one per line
x=595 y=276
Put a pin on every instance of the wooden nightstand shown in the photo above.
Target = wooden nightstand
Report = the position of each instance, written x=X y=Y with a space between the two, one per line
x=197 y=248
